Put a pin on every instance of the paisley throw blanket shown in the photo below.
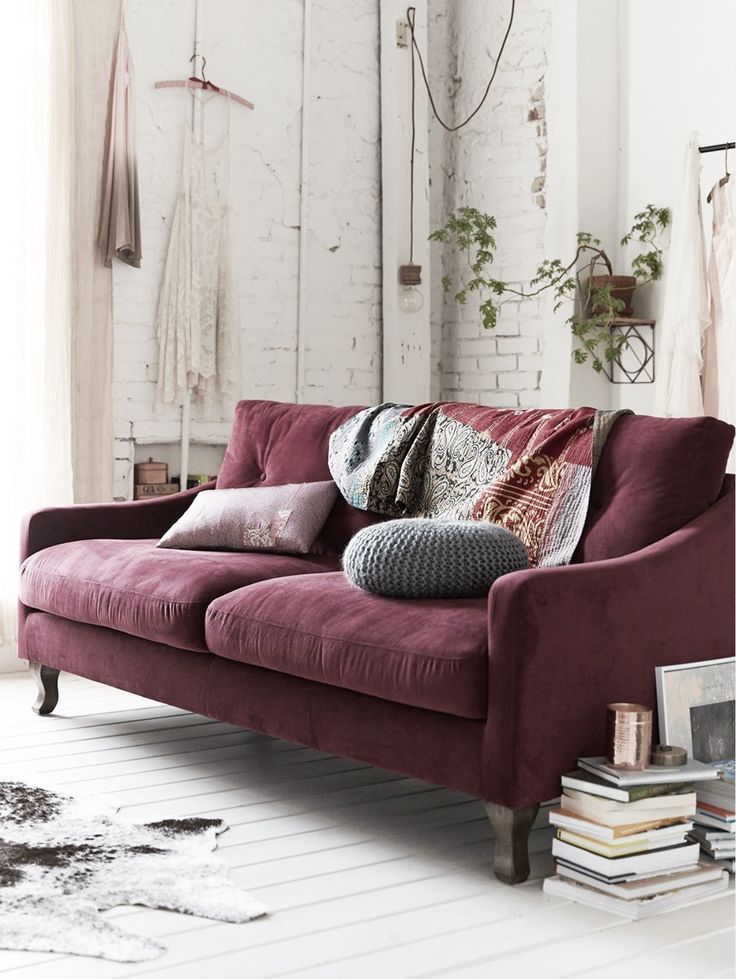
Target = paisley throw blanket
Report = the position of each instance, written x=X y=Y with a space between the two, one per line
x=527 y=470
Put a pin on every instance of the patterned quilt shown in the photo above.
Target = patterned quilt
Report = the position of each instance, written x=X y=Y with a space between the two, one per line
x=527 y=470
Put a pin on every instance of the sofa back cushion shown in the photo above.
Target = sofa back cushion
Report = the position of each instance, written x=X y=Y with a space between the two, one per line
x=654 y=476
x=273 y=443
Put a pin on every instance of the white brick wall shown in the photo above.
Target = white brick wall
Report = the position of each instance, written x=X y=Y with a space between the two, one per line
x=256 y=49
x=497 y=164
x=343 y=285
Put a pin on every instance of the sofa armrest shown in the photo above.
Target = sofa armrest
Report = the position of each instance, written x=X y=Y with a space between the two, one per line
x=85 y=521
x=564 y=642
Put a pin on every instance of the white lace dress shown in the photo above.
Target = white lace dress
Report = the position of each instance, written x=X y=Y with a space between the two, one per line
x=196 y=323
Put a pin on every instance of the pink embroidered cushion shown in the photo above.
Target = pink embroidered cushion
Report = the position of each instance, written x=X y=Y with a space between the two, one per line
x=256 y=518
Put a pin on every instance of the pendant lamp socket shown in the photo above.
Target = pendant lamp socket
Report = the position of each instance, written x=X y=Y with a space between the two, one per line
x=410 y=275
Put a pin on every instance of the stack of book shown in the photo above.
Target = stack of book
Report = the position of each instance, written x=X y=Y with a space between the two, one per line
x=622 y=839
x=715 y=816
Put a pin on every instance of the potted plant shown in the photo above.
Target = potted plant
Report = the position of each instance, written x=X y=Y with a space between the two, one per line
x=601 y=296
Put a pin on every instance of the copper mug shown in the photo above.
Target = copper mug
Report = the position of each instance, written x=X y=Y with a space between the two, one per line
x=629 y=736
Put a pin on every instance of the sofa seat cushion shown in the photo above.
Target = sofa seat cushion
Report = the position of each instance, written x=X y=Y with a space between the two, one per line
x=137 y=588
x=430 y=653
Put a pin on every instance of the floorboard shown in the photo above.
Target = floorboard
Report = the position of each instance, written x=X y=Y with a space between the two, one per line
x=368 y=873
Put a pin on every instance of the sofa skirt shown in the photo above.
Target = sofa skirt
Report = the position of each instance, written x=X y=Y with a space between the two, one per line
x=438 y=748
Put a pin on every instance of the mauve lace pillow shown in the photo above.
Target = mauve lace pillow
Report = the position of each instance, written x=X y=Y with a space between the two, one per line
x=286 y=519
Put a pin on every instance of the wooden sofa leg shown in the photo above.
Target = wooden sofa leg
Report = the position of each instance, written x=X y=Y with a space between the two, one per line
x=47 y=681
x=512 y=828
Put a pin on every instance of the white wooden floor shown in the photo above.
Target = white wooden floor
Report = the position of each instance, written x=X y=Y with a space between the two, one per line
x=368 y=874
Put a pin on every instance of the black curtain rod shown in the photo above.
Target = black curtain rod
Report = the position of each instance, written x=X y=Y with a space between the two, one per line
x=716 y=147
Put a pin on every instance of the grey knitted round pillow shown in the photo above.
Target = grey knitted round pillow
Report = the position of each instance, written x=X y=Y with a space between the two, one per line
x=422 y=558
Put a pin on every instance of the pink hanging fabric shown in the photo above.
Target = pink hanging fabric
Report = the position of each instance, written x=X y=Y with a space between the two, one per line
x=120 y=224
x=719 y=378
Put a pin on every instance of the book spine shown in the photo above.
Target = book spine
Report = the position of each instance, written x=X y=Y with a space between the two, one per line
x=591 y=788
x=681 y=854
x=637 y=792
x=716 y=811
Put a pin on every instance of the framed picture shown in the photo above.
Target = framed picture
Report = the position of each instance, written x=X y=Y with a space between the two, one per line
x=696 y=707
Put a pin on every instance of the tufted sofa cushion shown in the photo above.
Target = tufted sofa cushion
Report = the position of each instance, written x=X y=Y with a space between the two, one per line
x=420 y=558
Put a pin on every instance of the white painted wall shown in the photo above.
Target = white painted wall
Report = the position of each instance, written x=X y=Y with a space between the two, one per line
x=627 y=82
x=407 y=340
x=342 y=330
x=616 y=87
x=598 y=139
x=678 y=74
x=256 y=50
x=561 y=88
x=497 y=164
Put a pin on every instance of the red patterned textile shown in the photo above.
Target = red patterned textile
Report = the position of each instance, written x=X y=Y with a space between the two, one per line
x=527 y=470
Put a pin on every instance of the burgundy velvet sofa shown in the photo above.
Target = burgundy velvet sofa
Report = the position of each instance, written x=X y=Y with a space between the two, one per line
x=495 y=697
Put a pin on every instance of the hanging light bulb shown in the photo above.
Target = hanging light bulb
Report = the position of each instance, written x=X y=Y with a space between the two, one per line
x=411 y=299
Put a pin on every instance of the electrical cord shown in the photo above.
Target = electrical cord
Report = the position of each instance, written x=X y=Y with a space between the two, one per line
x=413 y=143
x=410 y=16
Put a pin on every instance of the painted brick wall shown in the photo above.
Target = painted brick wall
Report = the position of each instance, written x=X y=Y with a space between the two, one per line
x=256 y=49
x=343 y=260
x=497 y=164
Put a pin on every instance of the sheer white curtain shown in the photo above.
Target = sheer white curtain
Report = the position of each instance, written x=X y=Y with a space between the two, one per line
x=35 y=264
x=95 y=27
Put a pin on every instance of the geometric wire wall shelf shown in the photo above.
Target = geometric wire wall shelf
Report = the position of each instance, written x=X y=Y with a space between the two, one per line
x=635 y=363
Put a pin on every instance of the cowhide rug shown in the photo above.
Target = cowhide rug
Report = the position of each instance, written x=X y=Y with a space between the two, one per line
x=63 y=860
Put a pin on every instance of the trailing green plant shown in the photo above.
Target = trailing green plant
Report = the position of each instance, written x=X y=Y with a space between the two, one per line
x=471 y=233
x=648 y=226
